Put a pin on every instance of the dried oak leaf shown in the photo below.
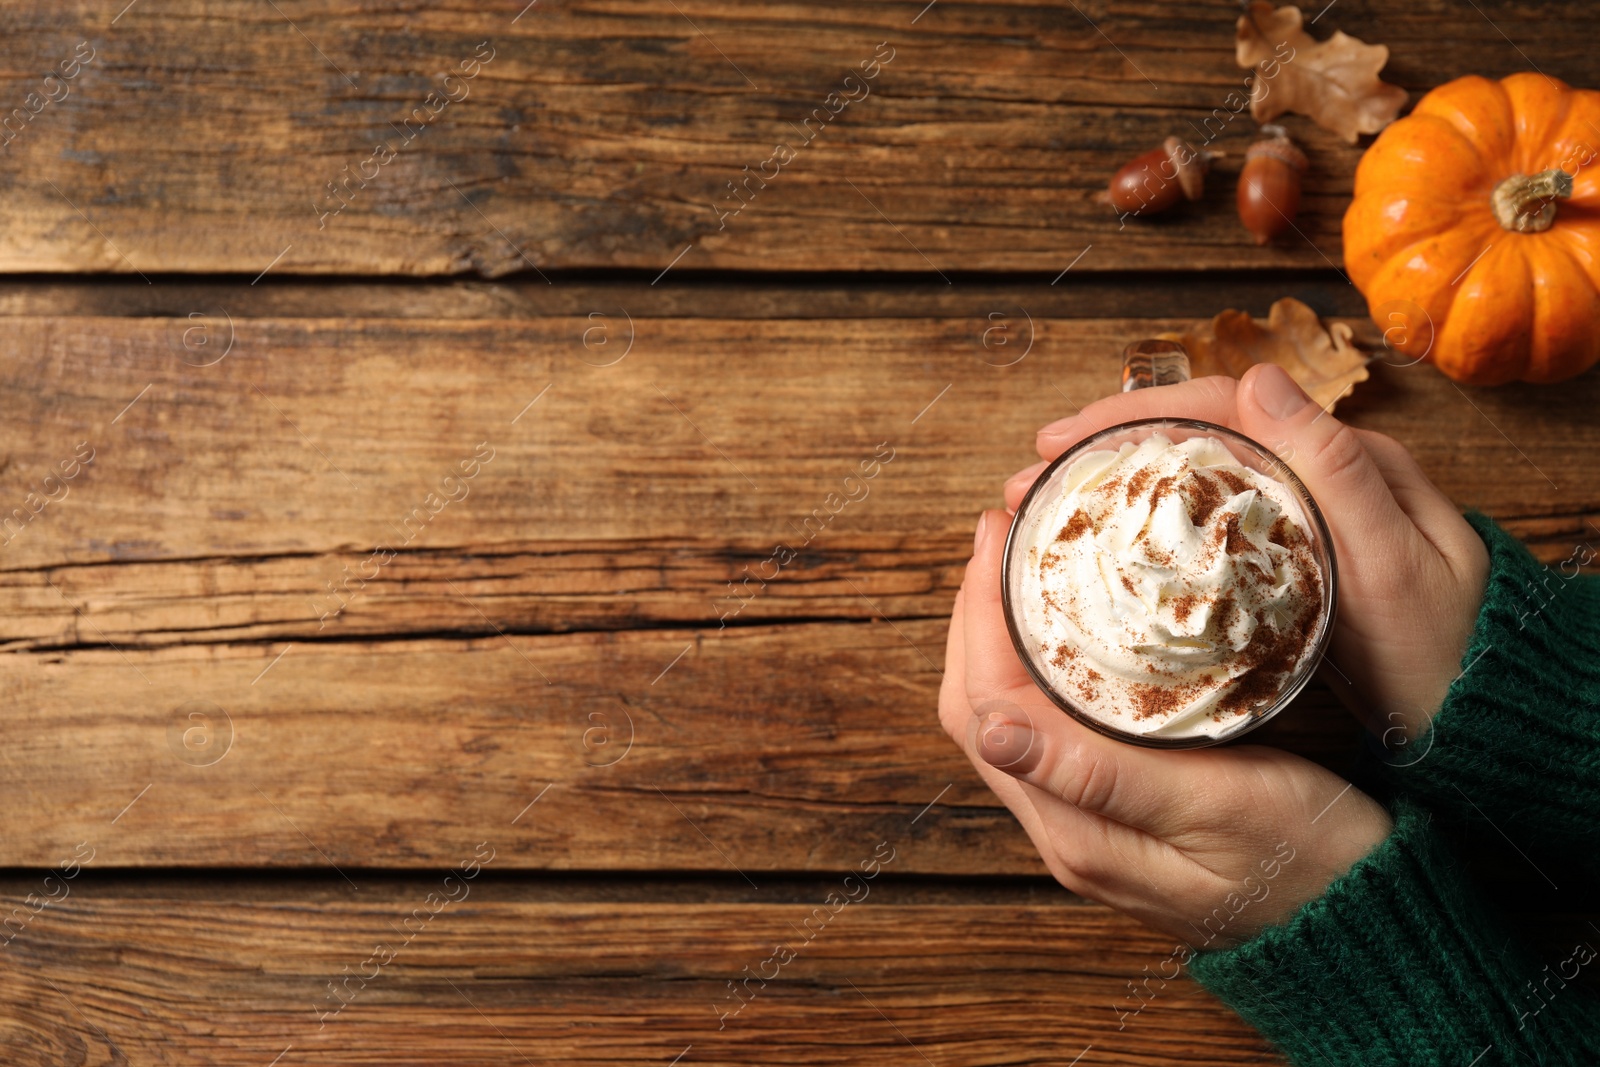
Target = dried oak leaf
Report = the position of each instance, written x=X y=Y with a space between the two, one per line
x=1335 y=82
x=1322 y=360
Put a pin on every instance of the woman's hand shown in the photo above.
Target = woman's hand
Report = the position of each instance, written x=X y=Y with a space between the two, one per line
x=1411 y=570
x=1208 y=845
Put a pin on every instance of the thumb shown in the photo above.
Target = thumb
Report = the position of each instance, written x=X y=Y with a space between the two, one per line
x=1150 y=790
x=1326 y=454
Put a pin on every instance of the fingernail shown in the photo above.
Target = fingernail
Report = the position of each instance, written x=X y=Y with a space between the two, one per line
x=1277 y=393
x=1059 y=428
x=1008 y=746
x=1026 y=477
x=981 y=536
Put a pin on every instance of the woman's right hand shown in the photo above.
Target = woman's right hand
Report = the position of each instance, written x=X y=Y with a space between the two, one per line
x=1412 y=571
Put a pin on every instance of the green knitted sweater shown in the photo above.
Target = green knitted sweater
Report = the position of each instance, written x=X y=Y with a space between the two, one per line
x=1400 y=962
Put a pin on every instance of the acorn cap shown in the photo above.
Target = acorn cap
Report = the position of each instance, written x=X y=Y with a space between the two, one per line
x=1278 y=146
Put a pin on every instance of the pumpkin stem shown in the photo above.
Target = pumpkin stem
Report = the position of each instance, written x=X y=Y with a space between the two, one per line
x=1526 y=203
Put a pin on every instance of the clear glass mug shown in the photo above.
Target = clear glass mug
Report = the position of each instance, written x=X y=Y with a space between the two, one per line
x=1150 y=363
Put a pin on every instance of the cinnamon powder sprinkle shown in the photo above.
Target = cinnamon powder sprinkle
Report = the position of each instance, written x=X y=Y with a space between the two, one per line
x=1287 y=534
x=1205 y=497
x=1086 y=688
x=1232 y=480
x=1237 y=544
x=1309 y=581
x=1137 y=483
x=1254 y=676
x=1152 y=700
x=1076 y=526
x=1161 y=489
x=1222 y=612
x=1183 y=605
x=1273 y=654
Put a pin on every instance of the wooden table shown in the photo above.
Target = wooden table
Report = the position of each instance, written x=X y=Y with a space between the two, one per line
x=375 y=693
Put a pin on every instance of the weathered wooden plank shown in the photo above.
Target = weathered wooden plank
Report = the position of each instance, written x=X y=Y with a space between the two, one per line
x=745 y=295
x=754 y=749
x=538 y=588
x=199 y=977
x=224 y=137
x=236 y=972
x=180 y=564
x=321 y=436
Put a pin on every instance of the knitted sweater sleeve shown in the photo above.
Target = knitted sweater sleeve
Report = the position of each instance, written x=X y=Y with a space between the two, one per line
x=1517 y=741
x=1399 y=964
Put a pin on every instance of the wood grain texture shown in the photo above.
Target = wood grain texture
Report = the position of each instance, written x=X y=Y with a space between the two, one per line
x=320 y=436
x=733 y=295
x=757 y=749
x=220 y=978
x=203 y=136
x=546 y=587
x=578 y=587
x=235 y=971
x=540 y=668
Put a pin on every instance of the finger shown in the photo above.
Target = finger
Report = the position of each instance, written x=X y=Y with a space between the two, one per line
x=1143 y=788
x=1336 y=467
x=954 y=708
x=1396 y=465
x=1207 y=399
x=1068 y=833
x=1433 y=514
x=1085 y=851
x=992 y=666
x=1129 y=869
x=1089 y=854
x=1018 y=484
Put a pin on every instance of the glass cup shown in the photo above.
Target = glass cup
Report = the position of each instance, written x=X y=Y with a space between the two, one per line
x=1148 y=363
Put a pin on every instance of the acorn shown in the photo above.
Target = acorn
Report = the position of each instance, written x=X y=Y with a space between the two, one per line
x=1160 y=178
x=1269 y=184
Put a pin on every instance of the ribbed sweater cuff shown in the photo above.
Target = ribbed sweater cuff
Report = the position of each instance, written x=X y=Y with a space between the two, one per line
x=1517 y=741
x=1398 y=963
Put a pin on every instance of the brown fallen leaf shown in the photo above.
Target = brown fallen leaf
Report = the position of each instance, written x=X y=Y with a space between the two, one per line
x=1335 y=82
x=1322 y=360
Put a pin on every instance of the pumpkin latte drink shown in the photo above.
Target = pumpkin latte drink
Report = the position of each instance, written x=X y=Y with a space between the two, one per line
x=1169 y=582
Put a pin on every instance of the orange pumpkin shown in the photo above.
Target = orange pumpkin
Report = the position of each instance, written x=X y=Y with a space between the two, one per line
x=1475 y=230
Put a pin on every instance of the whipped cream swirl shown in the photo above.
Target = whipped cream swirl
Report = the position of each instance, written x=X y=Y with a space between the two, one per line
x=1170 y=590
